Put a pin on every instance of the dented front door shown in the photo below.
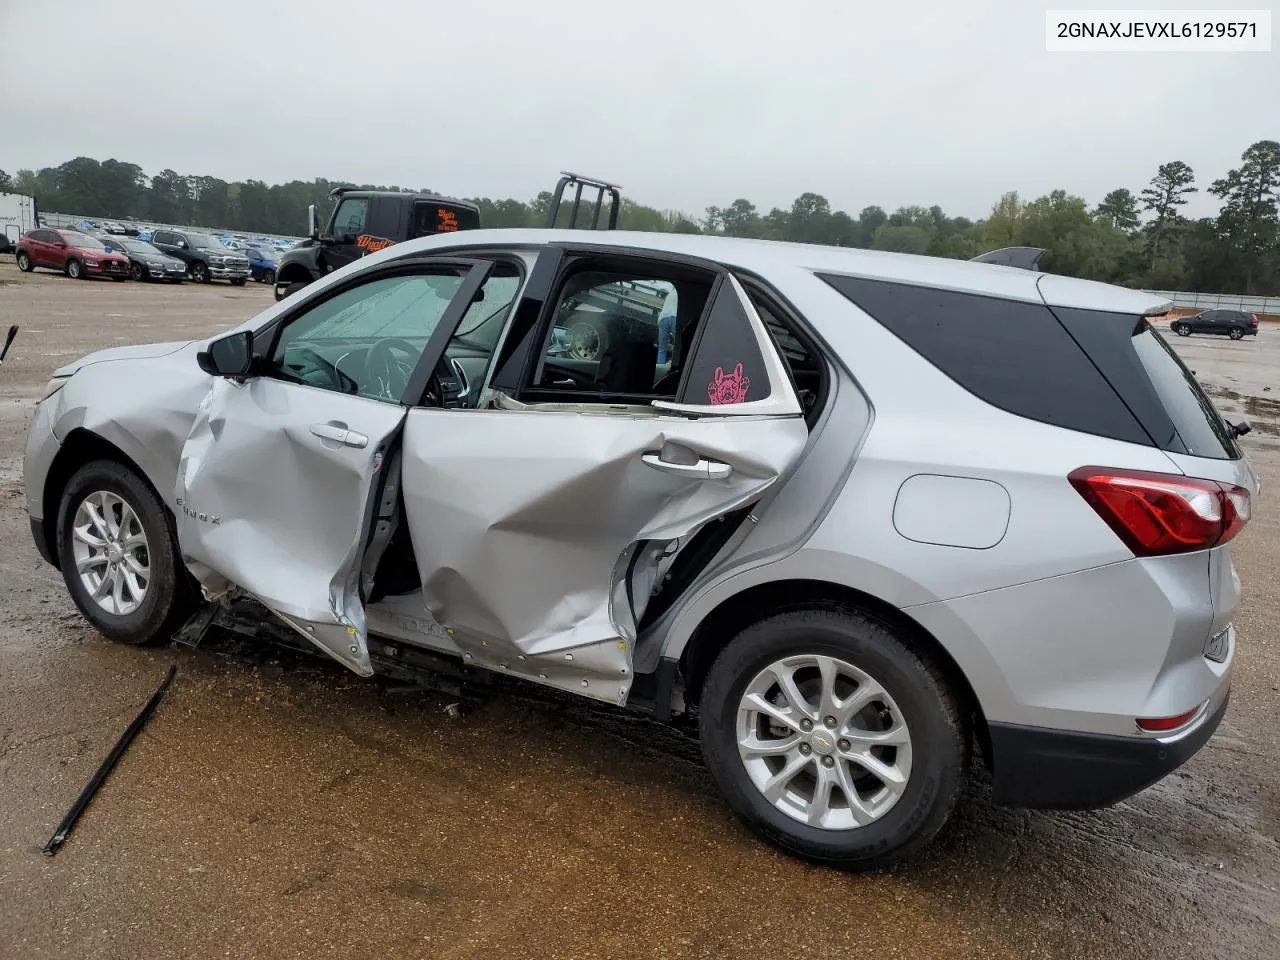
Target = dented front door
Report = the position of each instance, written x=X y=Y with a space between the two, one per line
x=273 y=491
x=280 y=475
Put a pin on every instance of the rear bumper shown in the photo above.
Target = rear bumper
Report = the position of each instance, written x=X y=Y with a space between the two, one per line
x=1064 y=770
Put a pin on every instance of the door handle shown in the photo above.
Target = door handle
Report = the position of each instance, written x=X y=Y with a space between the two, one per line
x=701 y=470
x=340 y=434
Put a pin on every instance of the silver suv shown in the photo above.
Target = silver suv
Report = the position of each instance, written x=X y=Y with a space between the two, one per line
x=858 y=517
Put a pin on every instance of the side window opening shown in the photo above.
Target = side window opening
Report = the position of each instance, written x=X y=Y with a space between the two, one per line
x=618 y=336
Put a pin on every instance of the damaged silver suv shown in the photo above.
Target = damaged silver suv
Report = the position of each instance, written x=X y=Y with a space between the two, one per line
x=860 y=516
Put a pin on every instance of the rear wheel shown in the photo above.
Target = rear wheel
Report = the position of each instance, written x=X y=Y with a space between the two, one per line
x=199 y=272
x=75 y=270
x=1236 y=333
x=24 y=262
x=832 y=738
x=119 y=556
x=135 y=271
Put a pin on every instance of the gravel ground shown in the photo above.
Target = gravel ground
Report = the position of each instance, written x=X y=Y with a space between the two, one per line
x=282 y=809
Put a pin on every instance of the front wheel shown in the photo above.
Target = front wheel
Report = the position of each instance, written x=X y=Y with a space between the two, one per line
x=1182 y=330
x=832 y=738
x=269 y=277
x=119 y=556
x=24 y=262
x=199 y=272
x=290 y=290
x=135 y=271
x=1236 y=333
x=75 y=270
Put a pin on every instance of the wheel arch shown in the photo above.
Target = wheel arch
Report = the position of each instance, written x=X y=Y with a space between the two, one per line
x=81 y=446
x=294 y=272
x=734 y=614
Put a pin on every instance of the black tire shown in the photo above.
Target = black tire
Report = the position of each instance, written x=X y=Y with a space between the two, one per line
x=929 y=707
x=135 y=271
x=199 y=272
x=269 y=277
x=1236 y=333
x=24 y=262
x=75 y=270
x=290 y=290
x=1182 y=329
x=170 y=595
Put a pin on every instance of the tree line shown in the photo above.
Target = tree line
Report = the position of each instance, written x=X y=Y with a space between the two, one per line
x=1138 y=239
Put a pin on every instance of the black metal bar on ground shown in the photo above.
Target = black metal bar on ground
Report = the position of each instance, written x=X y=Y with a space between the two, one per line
x=91 y=788
x=13 y=332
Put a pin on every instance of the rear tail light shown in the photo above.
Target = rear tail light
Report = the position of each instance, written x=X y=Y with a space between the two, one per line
x=1253 y=321
x=1159 y=513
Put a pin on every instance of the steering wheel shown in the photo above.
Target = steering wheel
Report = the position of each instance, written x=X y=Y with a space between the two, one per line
x=337 y=379
x=386 y=373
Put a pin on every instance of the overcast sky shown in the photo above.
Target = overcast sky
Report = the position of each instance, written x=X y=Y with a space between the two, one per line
x=685 y=103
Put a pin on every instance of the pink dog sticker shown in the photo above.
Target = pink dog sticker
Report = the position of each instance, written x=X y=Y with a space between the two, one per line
x=729 y=387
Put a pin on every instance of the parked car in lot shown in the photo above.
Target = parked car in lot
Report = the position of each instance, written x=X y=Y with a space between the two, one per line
x=76 y=254
x=1235 y=324
x=205 y=257
x=147 y=262
x=1025 y=547
x=263 y=261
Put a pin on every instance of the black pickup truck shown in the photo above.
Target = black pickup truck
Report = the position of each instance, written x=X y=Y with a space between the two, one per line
x=366 y=221
x=206 y=258
x=363 y=222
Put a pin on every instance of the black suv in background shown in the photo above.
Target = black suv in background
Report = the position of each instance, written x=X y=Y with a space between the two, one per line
x=1229 y=323
x=206 y=258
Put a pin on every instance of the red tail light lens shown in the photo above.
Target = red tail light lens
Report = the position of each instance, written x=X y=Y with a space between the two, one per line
x=1159 y=513
x=1165 y=724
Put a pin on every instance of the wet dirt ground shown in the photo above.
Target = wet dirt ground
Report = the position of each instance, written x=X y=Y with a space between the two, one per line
x=276 y=808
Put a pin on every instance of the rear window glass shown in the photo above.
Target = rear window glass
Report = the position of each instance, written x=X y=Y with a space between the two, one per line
x=1153 y=381
x=1012 y=354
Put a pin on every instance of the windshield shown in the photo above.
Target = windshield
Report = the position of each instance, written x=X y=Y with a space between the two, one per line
x=139 y=246
x=204 y=242
x=77 y=239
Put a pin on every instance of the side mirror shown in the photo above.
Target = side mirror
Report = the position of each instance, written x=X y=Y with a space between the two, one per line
x=313 y=223
x=229 y=356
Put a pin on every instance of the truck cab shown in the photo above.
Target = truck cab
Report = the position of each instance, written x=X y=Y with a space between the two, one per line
x=363 y=222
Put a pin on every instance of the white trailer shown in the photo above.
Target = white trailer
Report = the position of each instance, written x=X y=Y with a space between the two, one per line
x=17 y=215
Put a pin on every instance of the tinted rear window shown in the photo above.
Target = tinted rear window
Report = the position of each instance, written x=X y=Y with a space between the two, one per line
x=1157 y=386
x=1012 y=354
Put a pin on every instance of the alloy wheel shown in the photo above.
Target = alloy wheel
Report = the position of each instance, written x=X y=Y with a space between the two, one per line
x=823 y=742
x=111 y=552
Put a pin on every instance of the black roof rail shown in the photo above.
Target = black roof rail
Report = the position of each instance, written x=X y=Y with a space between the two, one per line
x=579 y=181
x=1024 y=258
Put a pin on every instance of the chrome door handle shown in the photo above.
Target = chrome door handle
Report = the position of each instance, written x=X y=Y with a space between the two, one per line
x=340 y=434
x=702 y=470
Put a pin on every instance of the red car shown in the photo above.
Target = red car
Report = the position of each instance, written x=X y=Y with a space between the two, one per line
x=78 y=255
